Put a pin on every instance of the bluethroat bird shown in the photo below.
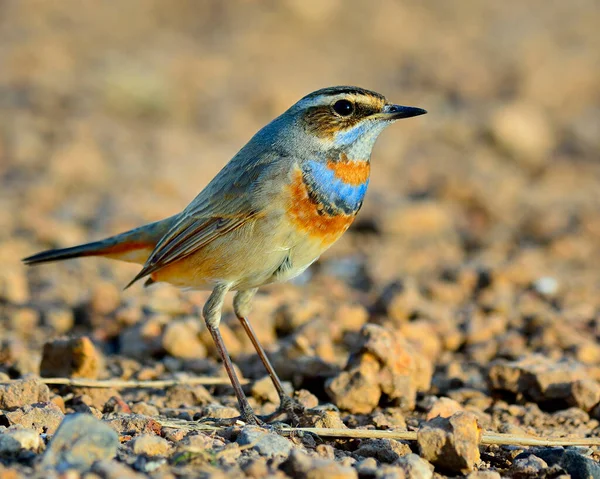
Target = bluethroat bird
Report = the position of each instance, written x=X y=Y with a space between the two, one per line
x=282 y=200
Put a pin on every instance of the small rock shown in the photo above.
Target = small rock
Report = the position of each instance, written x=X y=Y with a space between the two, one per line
x=105 y=297
x=8 y=445
x=443 y=407
x=484 y=475
x=60 y=320
x=385 y=363
x=151 y=445
x=264 y=390
x=264 y=442
x=198 y=442
x=389 y=418
x=98 y=397
x=300 y=465
x=13 y=286
x=537 y=377
x=24 y=320
x=530 y=466
x=584 y=394
x=17 y=438
x=14 y=440
x=59 y=402
x=326 y=451
x=144 y=409
x=573 y=462
x=357 y=389
x=547 y=285
x=415 y=467
x=70 y=357
x=216 y=411
x=324 y=418
x=350 y=317
x=108 y=469
x=366 y=467
x=173 y=434
x=384 y=450
x=256 y=468
x=306 y=398
x=579 y=466
x=43 y=417
x=524 y=131
x=15 y=354
x=23 y=392
x=451 y=443
x=181 y=339
x=142 y=339
x=80 y=441
x=184 y=395
x=115 y=404
x=132 y=424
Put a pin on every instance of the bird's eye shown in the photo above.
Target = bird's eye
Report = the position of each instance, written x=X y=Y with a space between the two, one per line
x=343 y=107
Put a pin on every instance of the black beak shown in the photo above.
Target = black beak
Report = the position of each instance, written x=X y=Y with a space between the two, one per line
x=395 y=112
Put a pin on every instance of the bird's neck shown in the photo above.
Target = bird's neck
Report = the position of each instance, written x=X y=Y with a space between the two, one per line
x=337 y=183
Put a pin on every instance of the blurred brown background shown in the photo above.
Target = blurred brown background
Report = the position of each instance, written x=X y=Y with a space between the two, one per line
x=118 y=113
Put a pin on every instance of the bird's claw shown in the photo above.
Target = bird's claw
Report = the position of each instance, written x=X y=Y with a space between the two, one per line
x=289 y=406
x=248 y=419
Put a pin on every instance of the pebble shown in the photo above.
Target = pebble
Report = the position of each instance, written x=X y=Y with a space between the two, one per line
x=584 y=394
x=577 y=465
x=484 y=475
x=151 y=445
x=80 y=441
x=264 y=442
x=112 y=469
x=415 y=467
x=61 y=320
x=71 y=357
x=24 y=320
x=523 y=130
x=383 y=450
x=537 y=377
x=14 y=440
x=384 y=363
x=264 y=390
x=443 y=407
x=43 y=417
x=23 y=392
x=144 y=409
x=366 y=467
x=186 y=395
x=529 y=466
x=357 y=388
x=451 y=443
x=133 y=424
x=13 y=286
x=180 y=339
x=105 y=297
x=302 y=466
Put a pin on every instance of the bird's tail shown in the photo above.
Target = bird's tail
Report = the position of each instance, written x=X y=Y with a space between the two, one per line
x=133 y=246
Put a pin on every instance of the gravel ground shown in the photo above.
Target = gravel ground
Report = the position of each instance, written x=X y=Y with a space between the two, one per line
x=464 y=299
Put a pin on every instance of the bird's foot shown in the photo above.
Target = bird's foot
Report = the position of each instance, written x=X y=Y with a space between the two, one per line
x=250 y=419
x=290 y=407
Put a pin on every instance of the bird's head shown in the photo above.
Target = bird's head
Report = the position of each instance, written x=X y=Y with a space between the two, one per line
x=347 y=119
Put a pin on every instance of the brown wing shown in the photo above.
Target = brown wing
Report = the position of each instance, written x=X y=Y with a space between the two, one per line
x=187 y=237
x=234 y=197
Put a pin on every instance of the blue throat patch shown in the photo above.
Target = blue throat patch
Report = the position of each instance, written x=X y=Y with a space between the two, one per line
x=332 y=193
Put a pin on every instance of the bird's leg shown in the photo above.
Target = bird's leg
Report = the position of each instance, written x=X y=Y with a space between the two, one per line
x=287 y=404
x=212 y=317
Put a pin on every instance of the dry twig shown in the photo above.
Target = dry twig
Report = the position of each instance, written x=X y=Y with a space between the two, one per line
x=132 y=383
x=488 y=438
